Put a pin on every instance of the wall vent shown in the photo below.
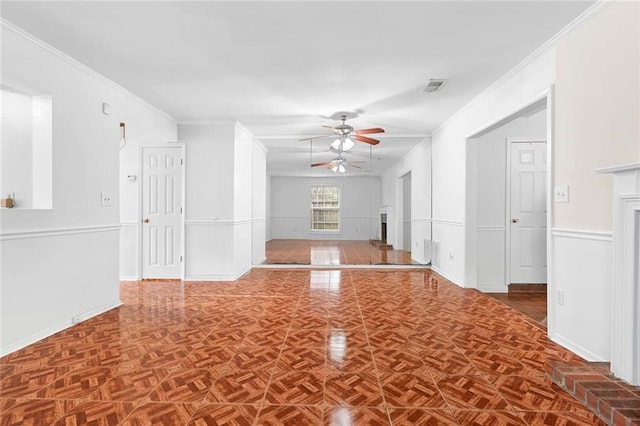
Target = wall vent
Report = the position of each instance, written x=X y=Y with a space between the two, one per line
x=434 y=85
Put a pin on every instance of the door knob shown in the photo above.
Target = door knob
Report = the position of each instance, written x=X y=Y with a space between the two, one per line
x=145 y=220
x=512 y=220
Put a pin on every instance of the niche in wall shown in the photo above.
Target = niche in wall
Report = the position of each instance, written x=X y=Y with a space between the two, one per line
x=26 y=148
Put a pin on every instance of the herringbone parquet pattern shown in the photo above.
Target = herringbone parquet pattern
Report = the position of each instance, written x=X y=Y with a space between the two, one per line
x=297 y=347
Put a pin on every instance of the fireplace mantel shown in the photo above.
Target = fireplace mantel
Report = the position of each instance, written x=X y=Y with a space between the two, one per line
x=625 y=289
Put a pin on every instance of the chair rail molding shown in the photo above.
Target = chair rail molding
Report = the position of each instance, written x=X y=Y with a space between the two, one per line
x=625 y=341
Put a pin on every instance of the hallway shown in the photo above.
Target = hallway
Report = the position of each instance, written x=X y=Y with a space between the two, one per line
x=294 y=347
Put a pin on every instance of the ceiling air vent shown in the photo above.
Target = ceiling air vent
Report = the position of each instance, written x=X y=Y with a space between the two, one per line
x=434 y=85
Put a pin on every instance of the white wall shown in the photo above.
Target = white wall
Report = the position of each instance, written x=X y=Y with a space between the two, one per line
x=360 y=198
x=209 y=199
x=596 y=126
x=507 y=96
x=406 y=212
x=17 y=148
x=418 y=163
x=225 y=199
x=138 y=135
x=489 y=194
x=259 y=203
x=268 y=226
x=62 y=263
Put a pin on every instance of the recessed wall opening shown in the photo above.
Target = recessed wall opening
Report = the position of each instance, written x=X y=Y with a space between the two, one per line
x=26 y=149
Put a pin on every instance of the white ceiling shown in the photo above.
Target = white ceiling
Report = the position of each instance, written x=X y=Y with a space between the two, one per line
x=285 y=68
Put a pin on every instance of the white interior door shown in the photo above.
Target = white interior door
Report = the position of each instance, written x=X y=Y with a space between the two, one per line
x=528 y=212
x=161 y=212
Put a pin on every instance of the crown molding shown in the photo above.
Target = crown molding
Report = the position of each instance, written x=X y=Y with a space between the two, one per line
x=74 y=62
x=595 y=8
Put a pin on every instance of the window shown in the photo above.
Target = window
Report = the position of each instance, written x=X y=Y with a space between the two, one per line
x=325 y=208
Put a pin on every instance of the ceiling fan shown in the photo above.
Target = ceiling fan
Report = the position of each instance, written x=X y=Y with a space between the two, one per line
x=337 y=165
x=345 y=133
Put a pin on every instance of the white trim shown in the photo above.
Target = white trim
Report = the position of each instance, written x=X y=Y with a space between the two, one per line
x=580 y=234
x=512 y=113
x=56 y=232
x=421 y=219
x=258 y=142
x=234 y=277
x=445 y=276
x=129 y=223
x=128 y=278
x=551 y=306
x=576 y=349
x=491 y=228
x=307 y=266
x=618 y=169
x=522 y=64
x=548 y=96
x=32 y=39
x=315 y=135
x=625 y=335
x=447 y=222
x=12 y=347
x=222 y=222
x=492 y=288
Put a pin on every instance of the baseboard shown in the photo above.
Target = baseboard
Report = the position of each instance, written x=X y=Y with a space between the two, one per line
x=576 y=349
x=129 y=278
x=492 y=289
x=445 y=276
x=7 y=349
x=234 y=277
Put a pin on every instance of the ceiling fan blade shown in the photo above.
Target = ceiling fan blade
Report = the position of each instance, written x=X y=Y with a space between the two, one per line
x=368 y=131
x=333 y=129
x=353 y=165
x=365 y=139
x=316 y=137
x=325 y=163
x=356 y=162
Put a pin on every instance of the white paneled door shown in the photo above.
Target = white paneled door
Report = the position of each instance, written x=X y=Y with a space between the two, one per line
x=528 y=219
x=161 y=212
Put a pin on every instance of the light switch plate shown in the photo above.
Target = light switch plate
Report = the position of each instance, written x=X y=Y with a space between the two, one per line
x=105 y=199
x=561 y=194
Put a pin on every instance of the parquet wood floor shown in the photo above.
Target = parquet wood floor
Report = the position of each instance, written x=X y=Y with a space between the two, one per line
x=297 y=347
x=332 y=252
x=533 y=305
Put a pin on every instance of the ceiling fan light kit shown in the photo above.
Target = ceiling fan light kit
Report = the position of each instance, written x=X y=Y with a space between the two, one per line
x=344 y=142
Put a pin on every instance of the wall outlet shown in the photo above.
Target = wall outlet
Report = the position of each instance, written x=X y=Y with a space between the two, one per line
x=560 y=297
x=76 y=319
x=561 y=194
x=105 y=199
x=451 y=257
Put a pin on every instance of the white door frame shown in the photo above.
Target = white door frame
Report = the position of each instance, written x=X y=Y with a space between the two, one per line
x=507 y=206
x=471 y=226
x=183 y=188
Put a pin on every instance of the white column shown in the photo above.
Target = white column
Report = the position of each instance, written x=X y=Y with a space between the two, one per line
x=625 y=289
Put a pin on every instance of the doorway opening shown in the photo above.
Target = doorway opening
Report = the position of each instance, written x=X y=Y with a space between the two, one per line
x=507 y=204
